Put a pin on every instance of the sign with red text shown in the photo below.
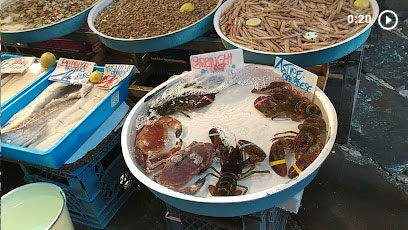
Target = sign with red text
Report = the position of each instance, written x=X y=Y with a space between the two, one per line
x=115 y=73
x=302 y=82
x=16 y=65
x=72 y=71
x=217 y=61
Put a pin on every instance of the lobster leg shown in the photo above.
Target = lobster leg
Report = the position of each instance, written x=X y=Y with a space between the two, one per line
x=250 y=171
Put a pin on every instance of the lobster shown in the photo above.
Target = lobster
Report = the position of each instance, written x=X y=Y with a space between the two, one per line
x=232 y=164
x=306 y=145
x=184 y=103
x=282 y=100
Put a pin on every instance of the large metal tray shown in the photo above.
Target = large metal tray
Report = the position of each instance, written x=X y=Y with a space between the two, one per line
x=305 y=58
x=45 y=33
x=151 y=44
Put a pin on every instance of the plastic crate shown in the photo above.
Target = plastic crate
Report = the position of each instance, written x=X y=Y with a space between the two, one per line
x=94 y=191
x=271 y=219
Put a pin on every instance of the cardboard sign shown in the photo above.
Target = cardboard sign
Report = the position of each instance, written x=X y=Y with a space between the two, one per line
x=217 y=61
x=113 y=74
x=302 y=82
x=16 y=65
x=72 y=71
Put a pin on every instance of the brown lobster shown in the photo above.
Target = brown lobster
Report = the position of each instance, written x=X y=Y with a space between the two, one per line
x=184 y=103
x=306 y=145
x=282 y=100
x=232 y=164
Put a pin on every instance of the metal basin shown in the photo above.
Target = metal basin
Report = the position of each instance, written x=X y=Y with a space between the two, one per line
x=151 y=44
x=232 y=205
x=47 y=32
x=305 y=58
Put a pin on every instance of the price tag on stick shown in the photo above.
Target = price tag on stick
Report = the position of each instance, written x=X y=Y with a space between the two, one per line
x=217 y=61
x=302 y=82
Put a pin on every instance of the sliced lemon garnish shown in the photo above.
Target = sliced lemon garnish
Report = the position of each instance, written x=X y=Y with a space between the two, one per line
x=96 y=76
x=47 y=60
x=253 y=22
x=361 y=4
x=187 y=7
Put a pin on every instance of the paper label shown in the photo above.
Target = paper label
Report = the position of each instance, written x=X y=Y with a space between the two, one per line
x=114 y=73
x=115 y=99
x=302 y=82
x=72 y=71
x=16 y=65
x=217 y=61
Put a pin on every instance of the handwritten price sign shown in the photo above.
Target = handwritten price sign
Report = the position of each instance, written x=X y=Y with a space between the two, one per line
x=72 y=71
x=113 y=74
x=217 y=61
x=302 y=82
x=16 y=65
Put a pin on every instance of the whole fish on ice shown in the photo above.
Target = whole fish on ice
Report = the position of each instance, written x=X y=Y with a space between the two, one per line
x=51 y=115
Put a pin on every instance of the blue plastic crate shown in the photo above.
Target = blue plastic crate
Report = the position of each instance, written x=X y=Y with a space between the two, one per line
x=21 y=92
x=57 y=155
x=94 y=191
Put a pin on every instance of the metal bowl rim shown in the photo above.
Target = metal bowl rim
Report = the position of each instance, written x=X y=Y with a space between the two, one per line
x=92 y=27
x=49 y=25
x=332 y=118
x=217 y=17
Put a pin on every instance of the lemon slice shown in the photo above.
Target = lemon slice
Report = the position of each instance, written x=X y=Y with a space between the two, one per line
x=361 y=4
x=47 y=60
x=253 y=22
x=96 y=76
x=187 y=7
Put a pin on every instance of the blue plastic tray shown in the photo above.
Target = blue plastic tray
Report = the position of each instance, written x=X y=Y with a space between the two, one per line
x=39 y=78
x=56 y=156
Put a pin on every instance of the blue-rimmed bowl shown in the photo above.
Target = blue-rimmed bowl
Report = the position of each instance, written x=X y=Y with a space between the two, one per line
x=230 y=205
x=305 y=58
x=151 y=44
x=47 y=32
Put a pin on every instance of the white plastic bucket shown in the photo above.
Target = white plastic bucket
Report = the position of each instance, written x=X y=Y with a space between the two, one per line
x=35 y=206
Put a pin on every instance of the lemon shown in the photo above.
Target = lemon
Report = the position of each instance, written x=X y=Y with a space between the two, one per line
x=187 y=7
x=253 y=22
x=48 y=60
x=96 y=76
x=361 y=4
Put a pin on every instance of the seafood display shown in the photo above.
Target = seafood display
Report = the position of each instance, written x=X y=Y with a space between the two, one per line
x=30 y=14
x=51 y=115
x=13 y=83
x=134 y=19
x=228 y=127
x=291 y=26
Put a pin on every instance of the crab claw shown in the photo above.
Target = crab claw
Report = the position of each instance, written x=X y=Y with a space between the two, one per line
x=270 y=88
x=193 y=189
x=174 y=124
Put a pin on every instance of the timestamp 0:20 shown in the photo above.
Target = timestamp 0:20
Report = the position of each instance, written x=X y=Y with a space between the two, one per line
x=359 y=19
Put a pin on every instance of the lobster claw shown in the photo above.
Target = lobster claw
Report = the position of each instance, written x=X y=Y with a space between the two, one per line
x=277 y=158
x=255 y=153
x=306 y=159
x=270 y=88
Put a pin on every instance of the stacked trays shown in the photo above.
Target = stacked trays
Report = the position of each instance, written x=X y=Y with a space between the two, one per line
x=57 y=155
